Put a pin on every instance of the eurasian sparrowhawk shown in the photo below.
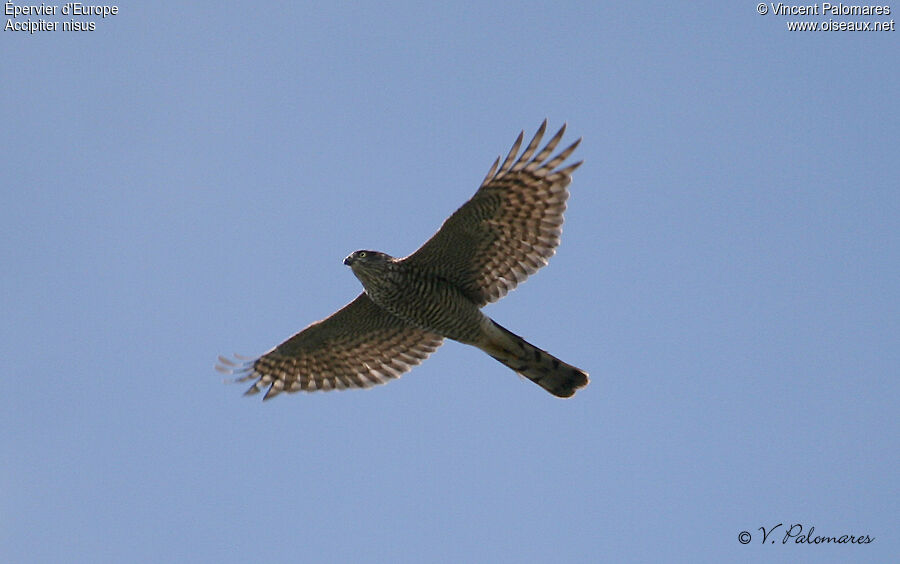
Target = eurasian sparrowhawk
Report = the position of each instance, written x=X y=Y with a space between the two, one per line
x=503 y=234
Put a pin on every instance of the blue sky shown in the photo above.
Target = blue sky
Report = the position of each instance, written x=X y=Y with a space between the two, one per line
x=184 y=182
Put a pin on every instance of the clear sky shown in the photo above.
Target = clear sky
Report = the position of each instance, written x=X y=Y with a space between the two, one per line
x=185 y=180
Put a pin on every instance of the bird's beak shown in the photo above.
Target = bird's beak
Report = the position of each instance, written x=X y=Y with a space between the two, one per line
x=349 y=260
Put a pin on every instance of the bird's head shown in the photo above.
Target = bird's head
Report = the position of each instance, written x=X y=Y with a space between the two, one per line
x=364 y=258
x=371 y=267
x=368 y=261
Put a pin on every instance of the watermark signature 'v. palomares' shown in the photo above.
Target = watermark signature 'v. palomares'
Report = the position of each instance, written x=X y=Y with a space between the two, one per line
x=781 y=534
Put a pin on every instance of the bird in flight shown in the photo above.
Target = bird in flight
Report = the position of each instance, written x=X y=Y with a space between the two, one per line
x=503 y=234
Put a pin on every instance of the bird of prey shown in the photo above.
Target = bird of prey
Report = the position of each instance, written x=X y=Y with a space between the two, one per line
x=503 y=234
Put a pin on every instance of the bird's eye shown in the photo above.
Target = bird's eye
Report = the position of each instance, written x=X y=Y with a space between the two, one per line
x=362 y=254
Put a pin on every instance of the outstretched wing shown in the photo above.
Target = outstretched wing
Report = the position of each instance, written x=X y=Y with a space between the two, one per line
x=356 y=347
x=510 y=227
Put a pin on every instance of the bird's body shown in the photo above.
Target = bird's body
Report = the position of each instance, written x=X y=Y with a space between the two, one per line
x=418 y=297
x=504 y=233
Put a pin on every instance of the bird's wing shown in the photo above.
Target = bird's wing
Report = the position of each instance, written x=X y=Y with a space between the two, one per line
x=509 y=228
x=356 y=347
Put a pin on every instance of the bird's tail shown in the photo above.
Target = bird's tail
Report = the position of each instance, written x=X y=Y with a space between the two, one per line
x=539 y=366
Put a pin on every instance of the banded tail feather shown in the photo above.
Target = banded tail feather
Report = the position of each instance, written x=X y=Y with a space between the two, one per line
x=557 y=377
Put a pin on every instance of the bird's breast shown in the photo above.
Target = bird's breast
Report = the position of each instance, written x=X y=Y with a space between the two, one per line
x=431 y=303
